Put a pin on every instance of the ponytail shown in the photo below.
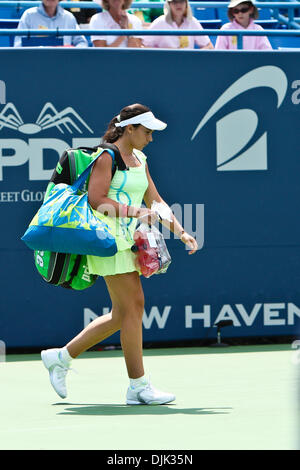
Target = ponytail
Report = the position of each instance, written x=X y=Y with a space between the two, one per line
x=113 y=133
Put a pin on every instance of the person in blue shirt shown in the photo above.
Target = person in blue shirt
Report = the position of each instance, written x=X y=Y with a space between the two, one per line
x=50 y=15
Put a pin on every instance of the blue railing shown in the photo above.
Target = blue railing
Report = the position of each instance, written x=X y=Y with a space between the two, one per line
x=94 y=5
x=273 y=6
x=128 y=32
x=73 y=4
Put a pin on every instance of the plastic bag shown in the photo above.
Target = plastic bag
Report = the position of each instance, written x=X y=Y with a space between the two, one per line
x=152 y=256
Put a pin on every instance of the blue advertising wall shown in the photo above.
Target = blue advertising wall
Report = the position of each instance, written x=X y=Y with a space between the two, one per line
x=229 y=157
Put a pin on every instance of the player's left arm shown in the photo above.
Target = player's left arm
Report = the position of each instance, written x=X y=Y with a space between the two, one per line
x=151 y=195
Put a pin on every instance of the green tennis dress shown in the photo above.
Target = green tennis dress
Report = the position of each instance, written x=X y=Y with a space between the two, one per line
x=127 y=187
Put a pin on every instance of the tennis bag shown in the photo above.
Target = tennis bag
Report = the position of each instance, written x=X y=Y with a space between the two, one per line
x=63 y=269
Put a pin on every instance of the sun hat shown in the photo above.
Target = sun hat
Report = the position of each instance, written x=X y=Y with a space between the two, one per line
x=235 y=3
x=146 y=119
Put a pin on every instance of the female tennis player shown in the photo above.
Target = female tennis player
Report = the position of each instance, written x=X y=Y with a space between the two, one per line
x=122 y=197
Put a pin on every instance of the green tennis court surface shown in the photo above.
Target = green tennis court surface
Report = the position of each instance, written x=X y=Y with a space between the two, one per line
x=241 y=397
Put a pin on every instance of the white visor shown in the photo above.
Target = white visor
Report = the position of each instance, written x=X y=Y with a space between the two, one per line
x=146 y=119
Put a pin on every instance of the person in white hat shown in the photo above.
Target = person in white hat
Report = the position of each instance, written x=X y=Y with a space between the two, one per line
x=130 y=131
x=242 y=15
x=177 y=16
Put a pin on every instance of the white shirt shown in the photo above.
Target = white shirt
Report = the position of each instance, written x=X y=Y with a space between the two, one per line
x=104 y=20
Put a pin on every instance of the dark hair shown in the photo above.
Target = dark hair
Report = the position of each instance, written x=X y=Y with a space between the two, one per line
x=113 y=133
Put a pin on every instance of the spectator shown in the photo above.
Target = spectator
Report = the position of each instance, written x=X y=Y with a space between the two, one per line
x=50 y=15
x=115 y=16
x=177 y=15
x=241 y=15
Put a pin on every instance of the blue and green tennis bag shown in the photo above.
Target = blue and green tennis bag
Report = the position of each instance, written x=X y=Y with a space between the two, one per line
x=70 y=270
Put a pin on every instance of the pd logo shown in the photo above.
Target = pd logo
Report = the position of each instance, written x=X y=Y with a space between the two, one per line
x=66 y=119
x=28 y=147
x=238 y=147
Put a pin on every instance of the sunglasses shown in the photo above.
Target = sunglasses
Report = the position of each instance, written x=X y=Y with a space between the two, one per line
x=235 y=11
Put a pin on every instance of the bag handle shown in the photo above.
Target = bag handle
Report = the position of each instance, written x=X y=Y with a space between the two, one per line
x=81 y=179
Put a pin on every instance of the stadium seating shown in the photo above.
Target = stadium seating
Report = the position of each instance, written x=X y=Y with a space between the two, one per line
x=207 y=17
x=42 y=41
x=202 y=13
x=211 y=24
x=7 y=23
x=282 y=43
x=210 y=18
x=11 y=12
x=268 y=24
x=222 y=15
x=264 y=13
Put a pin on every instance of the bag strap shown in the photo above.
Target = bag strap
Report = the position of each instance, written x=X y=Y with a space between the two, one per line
x=119 y=162
x=81 y=179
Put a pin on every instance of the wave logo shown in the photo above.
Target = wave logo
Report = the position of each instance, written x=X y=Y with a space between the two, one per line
x=66 y=120
x=236 y=131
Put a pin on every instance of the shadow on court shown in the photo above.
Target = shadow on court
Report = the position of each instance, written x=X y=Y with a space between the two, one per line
x=80 y=409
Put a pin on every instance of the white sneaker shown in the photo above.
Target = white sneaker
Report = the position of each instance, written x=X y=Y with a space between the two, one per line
x=57 y=370
x=148 y=395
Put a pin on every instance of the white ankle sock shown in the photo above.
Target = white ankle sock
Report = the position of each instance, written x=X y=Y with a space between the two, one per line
x=137 y=383
x=65 y=356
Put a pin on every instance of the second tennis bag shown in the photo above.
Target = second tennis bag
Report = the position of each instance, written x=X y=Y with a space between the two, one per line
x=65 y=269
